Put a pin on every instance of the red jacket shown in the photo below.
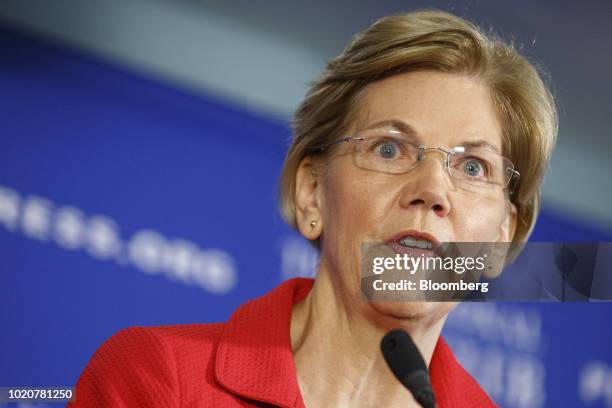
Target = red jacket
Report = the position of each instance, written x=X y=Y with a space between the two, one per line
x=241 y=363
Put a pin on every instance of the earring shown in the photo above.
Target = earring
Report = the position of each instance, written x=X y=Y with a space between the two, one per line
x=313 y=224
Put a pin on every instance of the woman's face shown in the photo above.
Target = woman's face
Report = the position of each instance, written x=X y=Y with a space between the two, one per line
x=358 y=205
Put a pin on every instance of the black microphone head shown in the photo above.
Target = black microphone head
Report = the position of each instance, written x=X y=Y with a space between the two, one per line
x=401 y=354
x=406 y=362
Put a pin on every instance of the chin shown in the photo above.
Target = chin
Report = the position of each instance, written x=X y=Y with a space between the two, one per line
x=402 y=312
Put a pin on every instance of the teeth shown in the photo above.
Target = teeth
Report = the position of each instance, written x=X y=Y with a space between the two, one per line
x=415 y=243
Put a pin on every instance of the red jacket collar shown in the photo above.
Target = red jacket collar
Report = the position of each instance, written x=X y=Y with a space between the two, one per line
x=254 y=356
x=255 y=360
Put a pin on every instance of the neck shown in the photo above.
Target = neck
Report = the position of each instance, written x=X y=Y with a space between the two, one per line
x=337 y=353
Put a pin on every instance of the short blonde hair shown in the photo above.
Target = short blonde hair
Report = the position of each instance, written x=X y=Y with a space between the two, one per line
x=433 y=40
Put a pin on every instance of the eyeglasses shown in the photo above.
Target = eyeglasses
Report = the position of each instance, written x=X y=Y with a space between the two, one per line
x=473 y=167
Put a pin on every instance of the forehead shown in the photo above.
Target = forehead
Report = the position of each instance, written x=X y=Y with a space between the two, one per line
x=443 y=109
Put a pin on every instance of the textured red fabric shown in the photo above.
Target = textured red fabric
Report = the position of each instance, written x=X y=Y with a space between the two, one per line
x=246 y=362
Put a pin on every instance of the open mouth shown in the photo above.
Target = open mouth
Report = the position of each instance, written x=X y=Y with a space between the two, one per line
x=414 y=243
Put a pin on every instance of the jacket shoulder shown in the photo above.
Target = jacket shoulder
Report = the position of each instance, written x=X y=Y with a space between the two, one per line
x=181 y=337
x=149 y=366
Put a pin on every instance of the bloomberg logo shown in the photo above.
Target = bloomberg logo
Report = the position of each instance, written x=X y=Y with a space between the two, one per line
x=147 y=250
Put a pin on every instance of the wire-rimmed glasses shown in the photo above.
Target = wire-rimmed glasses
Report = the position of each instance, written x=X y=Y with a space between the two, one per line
x=472 y=166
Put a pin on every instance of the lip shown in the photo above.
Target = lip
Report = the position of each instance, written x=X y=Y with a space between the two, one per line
x=395 y=239
x=417 y=235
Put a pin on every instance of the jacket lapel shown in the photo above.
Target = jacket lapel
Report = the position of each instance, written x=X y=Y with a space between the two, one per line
x=254 y=357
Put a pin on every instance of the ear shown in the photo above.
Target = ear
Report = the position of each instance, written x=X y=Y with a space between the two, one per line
x=500 y=248
x=307 y=199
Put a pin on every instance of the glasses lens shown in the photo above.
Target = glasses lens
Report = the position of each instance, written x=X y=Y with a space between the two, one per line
x=480 y=168
x=386 y=152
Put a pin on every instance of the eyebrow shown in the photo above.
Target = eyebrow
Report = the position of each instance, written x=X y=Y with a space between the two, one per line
x=480 y=143
x=397 y=124
x=403 y=127
x=412 y=133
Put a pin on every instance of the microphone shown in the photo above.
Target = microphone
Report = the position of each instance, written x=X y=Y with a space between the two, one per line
x=407 y=364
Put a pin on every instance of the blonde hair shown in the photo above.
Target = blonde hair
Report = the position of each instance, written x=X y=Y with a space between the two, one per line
x=433 y=40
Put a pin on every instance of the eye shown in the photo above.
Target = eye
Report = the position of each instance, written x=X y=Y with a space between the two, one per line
x=474 y=168
x=387 y=150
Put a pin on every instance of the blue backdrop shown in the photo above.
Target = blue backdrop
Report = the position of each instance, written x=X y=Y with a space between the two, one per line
x=124 y=201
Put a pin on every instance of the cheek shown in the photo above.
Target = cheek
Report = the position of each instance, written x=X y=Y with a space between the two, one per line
x=356 y=203
x=337 y=214
x=478 y=219
x=354 y=207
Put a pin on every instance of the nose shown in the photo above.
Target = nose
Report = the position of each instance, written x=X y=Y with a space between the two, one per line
x=428 y=187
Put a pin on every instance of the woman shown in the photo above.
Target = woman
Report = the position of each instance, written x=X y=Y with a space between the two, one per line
x=420 y=79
